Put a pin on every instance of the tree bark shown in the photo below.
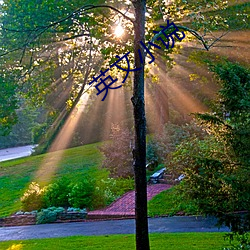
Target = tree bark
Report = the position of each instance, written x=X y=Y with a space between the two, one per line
x=139 y=151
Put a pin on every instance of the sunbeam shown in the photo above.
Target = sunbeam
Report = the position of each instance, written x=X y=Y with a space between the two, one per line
x=51 y=161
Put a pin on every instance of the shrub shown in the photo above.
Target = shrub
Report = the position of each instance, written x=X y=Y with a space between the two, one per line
x=109 y=189
x=81 y=194
x=208 y=181
x=123 y=185
x=38 y=131
x=166 y=141
x=33 y=197
x=216 y=168
x=103 y=194
x=118 y=153
x=152 y=156
x=57 y=193
x=243 y=242
x=48 y=215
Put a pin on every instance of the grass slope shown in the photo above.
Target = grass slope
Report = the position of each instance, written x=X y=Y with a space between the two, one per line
x=169 y=202
x=173 y=241
x=16 y=175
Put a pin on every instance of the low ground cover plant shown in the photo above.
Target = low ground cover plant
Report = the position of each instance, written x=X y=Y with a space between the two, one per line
x=48 y=215
x=51 y=214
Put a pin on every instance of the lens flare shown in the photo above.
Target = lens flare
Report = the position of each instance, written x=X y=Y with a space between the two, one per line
x=119 y=31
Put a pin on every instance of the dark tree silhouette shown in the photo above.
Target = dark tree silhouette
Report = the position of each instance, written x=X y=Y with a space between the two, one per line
x=139 y=151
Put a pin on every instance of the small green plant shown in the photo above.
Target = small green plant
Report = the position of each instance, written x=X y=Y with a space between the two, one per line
x=48 y=215
x=77 y=210
x=33 y=197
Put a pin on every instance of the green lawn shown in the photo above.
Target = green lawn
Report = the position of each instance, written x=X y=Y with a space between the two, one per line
x=169 y=202
x=170 y=241
x=16 y=175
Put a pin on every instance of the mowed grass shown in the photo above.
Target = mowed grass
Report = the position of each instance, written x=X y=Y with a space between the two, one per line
x=169 y=202
x=16 y=175
x=170 y=241
x=75 y=164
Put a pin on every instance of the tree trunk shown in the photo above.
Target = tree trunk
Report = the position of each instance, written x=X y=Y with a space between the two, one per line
x=139 y=151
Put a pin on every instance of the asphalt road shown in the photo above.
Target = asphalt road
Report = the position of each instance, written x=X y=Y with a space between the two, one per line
x=156 y=225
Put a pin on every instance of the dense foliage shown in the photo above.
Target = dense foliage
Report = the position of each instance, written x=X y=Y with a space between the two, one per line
x=61 y=193
x=56 y=194
x=8 y=105
x=90 y=193
x=53 y=48
x=217 y=168
x=162 y=143
x=81 y=194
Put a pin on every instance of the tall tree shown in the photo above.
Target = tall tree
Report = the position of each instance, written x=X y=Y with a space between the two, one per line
x=217 y=167
x=63 y=24
x=8 y=104
x=139 y=151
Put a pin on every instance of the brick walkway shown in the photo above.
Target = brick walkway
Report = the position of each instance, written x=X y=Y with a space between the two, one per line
x=124 y=207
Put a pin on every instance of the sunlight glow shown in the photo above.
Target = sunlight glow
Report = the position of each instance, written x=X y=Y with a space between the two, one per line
x=119 y=31
x=52 y=159
x=169 y=99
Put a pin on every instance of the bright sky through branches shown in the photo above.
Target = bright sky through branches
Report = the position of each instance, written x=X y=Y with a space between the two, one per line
x=119 y=31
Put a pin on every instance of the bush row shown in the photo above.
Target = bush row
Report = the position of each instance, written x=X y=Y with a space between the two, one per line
x=87 y=193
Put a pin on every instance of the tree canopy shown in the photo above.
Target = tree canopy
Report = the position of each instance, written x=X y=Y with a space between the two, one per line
x=58 y=46
x=50 y=43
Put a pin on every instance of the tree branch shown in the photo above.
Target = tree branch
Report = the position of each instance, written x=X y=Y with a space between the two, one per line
x=112 y=8
x=42 y=29
x=195 y=34
x=74 y=13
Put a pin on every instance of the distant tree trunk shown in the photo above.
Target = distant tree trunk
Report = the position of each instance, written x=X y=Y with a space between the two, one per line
x=139 y=151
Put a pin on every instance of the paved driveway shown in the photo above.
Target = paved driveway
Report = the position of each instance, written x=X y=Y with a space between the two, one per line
x=14 y=153
x=125 y=205
x=156 y=225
